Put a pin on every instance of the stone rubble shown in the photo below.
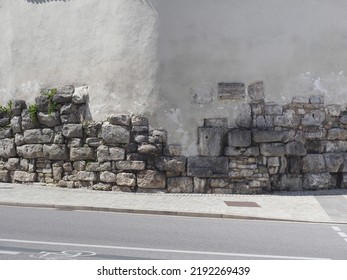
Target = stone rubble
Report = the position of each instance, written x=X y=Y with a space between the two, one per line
x=298 y=146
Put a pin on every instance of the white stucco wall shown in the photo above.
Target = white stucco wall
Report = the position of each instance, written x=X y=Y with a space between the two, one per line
x=151 y=56
x=110 y=45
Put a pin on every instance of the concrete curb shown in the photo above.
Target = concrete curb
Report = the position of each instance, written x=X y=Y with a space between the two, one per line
x=157 y=212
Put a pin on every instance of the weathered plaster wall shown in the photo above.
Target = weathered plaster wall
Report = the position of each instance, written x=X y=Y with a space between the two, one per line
x=164 y=58
x=295 y=47
x=108 y=44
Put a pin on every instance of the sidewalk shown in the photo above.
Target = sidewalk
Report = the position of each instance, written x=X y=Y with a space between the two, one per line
x=328 y=206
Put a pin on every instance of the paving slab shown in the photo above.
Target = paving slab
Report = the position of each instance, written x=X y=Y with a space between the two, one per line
x=301 y=206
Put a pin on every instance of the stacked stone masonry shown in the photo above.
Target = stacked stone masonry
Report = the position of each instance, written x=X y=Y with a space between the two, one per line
x=298 y=146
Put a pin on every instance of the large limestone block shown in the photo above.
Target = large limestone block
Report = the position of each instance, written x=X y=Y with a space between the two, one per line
x=30 y=151
x=7 y=148
x=105 y=153
x=171 y=164
x=73 y=130
x=108 y=177
x=267 y=136
x=115 y=134
x=313 y=163
x=207 y=166
x=126 y=179
x=239 y=138
x=272 y=150
x=39 y=136
x=180 y=185
x=82 y=153
x=314 y=181
x=55 y=152
x=24 y=177
x=210 y=141
x=151 y=179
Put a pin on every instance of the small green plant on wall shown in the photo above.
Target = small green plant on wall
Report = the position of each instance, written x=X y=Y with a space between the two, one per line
x=32 y=110
x=7 y=109
x=52 y=105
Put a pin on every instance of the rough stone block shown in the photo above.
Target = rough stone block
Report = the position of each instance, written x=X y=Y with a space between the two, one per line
x=314 y=181
x=256 y=91
x=219 y=183
x=172 y=150
x=49 y=120
x=39 y=136
x=16 y=124
x=315 y=133
x=102 y=187
x=18 y=106
x=244 y=120
x=289 y=183
x=200 y=185
x=157 y=136
x=333 y=110
x=12 y=164
x=210 y=141
x=237 y=138
x=138 y=120
x=315 y=118
x=115 y=134
x=313 y=163
x=233 y=151
x=149 y=149
x=171 y=164
x=315 y=146
x=86 y=176
x=140 y=128
x=57 y=173
x=93 y=142
x=126 y=179
x=24 y=177
x=264 y=122
x=4 y=176
x=273 y=109
x=273 y=161
x=336 y=146
x=82 y=153
x=64 y=94
x=151 y=179
x=105 y=153
x=72 y=130
x=108 y=177
x=79 y=165
x=42 y=103
x=272 y=150
x=288 y=119
x=133 y=165
x=207 y=166
x=252 y=152
x=334 y=161
x=7 y=148
x=80 y=96
x=55 y=152
x=119 y=119
x=30 y=151
x=337 y=134
x=267 y=136
x=295 y=148
x=180 y=185
x=27 y=122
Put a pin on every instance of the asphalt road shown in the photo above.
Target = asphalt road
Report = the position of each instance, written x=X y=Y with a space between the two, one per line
x=33 y=233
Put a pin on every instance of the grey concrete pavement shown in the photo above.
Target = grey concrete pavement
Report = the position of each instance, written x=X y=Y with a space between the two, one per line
x=329 y=206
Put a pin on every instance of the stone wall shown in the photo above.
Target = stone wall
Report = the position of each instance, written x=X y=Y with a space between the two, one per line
x=298 y=146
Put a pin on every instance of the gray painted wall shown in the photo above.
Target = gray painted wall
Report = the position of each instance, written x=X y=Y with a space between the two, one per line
x=154 y=56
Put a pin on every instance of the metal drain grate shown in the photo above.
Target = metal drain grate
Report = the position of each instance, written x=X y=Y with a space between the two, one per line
x=241 y=204
x=335 y=207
